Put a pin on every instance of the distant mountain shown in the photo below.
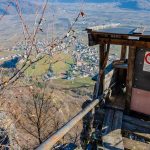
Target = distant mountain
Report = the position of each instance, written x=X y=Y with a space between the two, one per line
x=28 y=6
x=127 y=4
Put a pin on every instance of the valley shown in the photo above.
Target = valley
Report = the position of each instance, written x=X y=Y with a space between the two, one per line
x=46 y=64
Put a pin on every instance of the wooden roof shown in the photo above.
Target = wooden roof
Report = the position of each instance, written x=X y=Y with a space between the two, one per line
x=120 y=30
x=119 y=35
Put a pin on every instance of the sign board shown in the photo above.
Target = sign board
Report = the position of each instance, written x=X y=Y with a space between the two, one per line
x=146 y=66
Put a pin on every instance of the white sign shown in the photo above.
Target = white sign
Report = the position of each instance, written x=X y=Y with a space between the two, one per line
x=146 y=66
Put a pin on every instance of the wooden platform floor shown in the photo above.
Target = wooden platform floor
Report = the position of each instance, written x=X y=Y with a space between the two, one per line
x=115 y=127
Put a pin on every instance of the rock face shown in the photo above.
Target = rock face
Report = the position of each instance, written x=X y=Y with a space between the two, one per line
x=67 y=102
x=4 y=139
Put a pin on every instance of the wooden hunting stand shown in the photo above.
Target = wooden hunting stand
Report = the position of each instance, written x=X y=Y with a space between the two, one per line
x=121 y=98
x=127 y=105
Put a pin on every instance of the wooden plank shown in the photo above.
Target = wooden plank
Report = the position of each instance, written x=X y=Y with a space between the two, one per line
x=107 y=123
x=135 y=125
x=108 y=79
x=135 y=121
x=145 y=136
x=135 y=145
x=106 y=128
x=130 y=73
x=127 y=42
x=111 y=131
x=99 y=33
x=134 y=128
x=91 y=40
x=116 y=128
x=113 y=141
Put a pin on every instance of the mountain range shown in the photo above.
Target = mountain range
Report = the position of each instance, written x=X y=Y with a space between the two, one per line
x=28 y=6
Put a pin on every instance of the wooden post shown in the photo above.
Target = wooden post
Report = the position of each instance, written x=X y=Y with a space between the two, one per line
x=123 y=51
x=130 y=74
x=102 y=53
x=98 y=87
x=122 y=57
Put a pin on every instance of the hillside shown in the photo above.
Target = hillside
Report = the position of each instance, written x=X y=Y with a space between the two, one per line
x=67 y=103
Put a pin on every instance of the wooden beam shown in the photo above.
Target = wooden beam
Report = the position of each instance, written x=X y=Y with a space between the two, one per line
x=134 y=128
x=121 y=76
x=138 y=134
x=138 y=122
x=116 y=128
x=107 y=123
x=100 y=81
x=127 y=42
x=135 y=145
x=102 y=53
x=111 y=130
x=123 y=51
x=130 y=73
x=135 y=125
x=143 y=135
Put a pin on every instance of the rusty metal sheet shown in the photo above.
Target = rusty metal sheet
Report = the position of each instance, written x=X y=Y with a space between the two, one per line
x=126 y=30
x=140 y=101
x=119 y=30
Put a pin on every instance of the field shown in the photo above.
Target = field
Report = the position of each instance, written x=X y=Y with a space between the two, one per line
x=60 y=64
x=76 y=83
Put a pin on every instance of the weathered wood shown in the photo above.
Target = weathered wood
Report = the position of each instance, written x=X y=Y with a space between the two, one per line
x=127 y=42
x=130 y=73
x=117 y=102
x=102 y=53
x=103 y=67
x=145 y=136
x=116 y=128
x=111 y=130
x=91 y=40
x=112 y=35
x=135 y=121
x=123 y=51
x=134 y=128
x=107 y=123
x=135 y=125
x=135 y=145
x=121 y=67
x=108 y=79
x=117 y=120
